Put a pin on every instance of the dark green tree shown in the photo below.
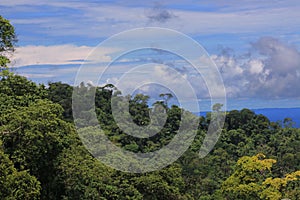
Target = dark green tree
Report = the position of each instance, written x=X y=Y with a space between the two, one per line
x=14 y=184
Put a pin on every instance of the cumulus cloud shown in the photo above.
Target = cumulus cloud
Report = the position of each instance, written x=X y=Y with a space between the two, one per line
x=280 y=76
x=282 y=58
x=273 y=73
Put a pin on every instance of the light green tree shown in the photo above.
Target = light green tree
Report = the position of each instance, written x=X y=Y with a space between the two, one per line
x=252 y=180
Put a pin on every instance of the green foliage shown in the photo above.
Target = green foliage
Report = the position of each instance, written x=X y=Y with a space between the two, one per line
x=3 y=61
x=83 y=177
x=19 y=185
x=34 y=136
x=61 y=93
x=16 y=91
x=164 y=184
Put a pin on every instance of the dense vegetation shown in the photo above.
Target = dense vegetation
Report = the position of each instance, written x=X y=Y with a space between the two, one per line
x=42 y=157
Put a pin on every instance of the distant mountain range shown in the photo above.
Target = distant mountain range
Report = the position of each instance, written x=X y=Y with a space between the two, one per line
x=276 y=114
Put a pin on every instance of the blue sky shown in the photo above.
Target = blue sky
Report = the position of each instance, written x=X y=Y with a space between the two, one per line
x=255 y=44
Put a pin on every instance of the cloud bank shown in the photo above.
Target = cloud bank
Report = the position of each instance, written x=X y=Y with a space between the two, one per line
x=270 y=70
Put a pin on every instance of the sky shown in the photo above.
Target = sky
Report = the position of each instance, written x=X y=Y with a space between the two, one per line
x=254 y=44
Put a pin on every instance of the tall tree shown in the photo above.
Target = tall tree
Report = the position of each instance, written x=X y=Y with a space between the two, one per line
x=7 y=41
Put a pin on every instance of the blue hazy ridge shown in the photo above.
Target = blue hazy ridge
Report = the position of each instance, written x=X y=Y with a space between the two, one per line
x=279 y=114
x=276 y=114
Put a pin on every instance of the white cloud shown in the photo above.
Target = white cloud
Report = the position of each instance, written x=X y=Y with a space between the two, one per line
x=256 y=66
x=56 y=55
x=43 y=76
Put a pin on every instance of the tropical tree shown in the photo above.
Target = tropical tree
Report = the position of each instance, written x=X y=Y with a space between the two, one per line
x=7 y=41
x=166 y=97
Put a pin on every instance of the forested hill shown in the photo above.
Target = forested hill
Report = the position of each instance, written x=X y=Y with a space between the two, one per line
x=284 y=116
x=41 y=156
